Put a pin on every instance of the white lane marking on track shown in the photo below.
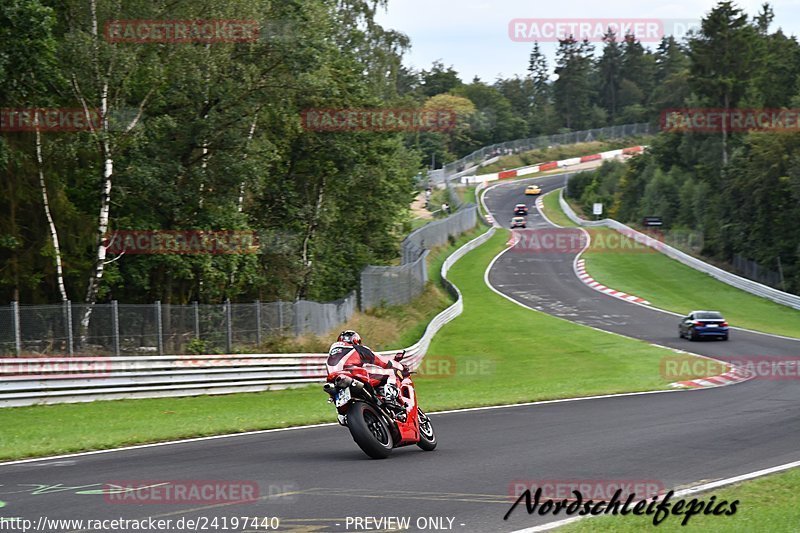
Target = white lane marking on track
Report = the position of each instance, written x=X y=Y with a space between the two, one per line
x=509 y=298
x=328 y=424
x=650 y=306
x=684 y=492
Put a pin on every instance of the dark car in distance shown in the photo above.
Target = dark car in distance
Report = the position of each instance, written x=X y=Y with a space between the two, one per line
x=699 y=324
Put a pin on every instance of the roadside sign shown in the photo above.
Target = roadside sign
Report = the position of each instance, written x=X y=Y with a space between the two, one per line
x=597 y=209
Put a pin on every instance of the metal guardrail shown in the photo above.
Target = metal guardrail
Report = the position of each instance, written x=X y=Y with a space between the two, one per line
x=753 y=287
x=32 y=381
x=470 y=163
x=161 y=329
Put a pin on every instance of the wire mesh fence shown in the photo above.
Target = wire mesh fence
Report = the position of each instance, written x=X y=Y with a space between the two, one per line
x=162 y=328
x=463 y=165
x=159 y=328
x=321 y=317
x=393 y=285
x=438 y=232
x=396 y=285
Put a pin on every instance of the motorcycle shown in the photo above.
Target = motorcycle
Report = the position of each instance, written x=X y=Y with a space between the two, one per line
x=377 y=425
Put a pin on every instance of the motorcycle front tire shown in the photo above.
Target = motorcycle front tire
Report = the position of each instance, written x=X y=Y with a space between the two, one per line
x=427 y=437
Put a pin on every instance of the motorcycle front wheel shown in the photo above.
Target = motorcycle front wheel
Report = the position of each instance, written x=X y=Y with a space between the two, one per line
x=427 y=438
x=369 y=430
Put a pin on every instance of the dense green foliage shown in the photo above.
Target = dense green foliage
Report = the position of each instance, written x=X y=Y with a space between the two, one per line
x=218 y=121
x=209 y=136
x=220 y=142
x=740 y=191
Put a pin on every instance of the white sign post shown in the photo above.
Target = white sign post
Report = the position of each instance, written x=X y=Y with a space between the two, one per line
x=597 y=209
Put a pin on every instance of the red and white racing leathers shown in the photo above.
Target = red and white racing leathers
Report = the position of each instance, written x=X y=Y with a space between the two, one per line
x=345 y=356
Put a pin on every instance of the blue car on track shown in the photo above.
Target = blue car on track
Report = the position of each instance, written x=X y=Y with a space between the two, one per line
x=699 y=324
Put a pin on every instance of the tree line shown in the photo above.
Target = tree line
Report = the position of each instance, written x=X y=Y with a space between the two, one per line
x=209 y=136
x=740 y=190
x=199 y=136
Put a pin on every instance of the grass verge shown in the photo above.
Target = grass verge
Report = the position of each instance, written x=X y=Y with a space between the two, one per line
x=771 y=503
x=682 y=289
x=553 y=210
x=566 y=359
x=617 y=262
x=386 y=328
x=466 y=367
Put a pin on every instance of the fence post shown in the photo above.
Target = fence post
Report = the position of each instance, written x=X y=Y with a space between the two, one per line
x=68 y=325
x=280 y=317
x=115 y=324
x=17 y=330
x=196 y=320
x=258 y=322
x=159 y=328
x=228 y=327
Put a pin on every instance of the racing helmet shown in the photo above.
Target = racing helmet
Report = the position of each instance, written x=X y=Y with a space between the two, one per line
x=349 y=336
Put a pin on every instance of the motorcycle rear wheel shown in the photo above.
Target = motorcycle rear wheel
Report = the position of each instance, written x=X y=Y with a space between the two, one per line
x=369 y=430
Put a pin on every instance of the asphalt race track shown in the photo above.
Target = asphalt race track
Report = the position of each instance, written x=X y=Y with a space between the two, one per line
x=314 y=479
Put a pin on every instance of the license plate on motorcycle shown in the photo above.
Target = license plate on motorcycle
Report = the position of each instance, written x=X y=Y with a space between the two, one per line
x=342 y=397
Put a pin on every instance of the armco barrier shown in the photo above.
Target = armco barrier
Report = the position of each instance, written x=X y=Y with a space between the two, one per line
x=783 y=298
x=469 y=164
x=32 y=381
x=506 y=174
x=551 y=165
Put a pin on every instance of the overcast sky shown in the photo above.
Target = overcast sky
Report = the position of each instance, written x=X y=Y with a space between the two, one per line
x=473 y=35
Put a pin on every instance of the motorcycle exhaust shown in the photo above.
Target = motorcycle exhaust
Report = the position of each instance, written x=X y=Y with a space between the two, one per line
x=342 y=382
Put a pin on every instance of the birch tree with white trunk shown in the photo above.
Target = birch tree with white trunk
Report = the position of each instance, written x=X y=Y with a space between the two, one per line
x=101 y=94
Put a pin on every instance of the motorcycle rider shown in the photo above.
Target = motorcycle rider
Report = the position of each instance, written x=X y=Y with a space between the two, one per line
x=349 y=351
